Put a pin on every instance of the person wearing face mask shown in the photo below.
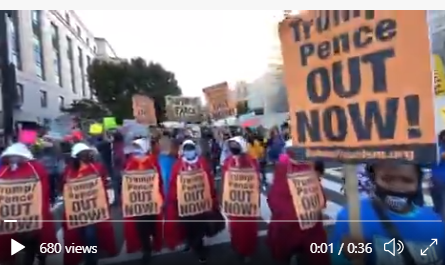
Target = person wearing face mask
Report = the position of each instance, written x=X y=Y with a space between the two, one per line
x=243 y=232
x=392 y=214
x=20 y=171
x=146 y=233
x=288 y=219
x=187 y=211
x=83 y=171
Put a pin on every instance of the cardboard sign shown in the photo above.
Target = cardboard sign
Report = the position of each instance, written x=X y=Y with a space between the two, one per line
x=307 y=197
x=109 y=123
x=241 y=193
x=20 y=200
x=28 y=136
x=194 y=196
x=85 y=202
x=144 y=111
x=439 y=76
x=219 y=100
x=140 y=193
x=183 y=109
x=96 y=129
x=356 y=92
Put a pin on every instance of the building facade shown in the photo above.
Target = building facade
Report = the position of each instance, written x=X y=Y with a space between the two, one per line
x=52 y=50
x=268 y=92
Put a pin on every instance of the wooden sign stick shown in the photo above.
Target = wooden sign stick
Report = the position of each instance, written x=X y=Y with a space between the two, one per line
x=353 y=199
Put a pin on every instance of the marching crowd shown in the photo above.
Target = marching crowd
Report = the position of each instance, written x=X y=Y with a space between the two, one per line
x=181 y=203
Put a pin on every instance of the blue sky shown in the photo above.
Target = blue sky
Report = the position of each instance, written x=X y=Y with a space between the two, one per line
x=201 y=47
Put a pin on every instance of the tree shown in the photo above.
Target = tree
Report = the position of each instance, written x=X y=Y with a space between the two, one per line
x=87 y=109
x=114 y=82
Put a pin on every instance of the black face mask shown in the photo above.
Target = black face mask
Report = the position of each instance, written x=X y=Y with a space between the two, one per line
x=396 y=201
x=235 y=150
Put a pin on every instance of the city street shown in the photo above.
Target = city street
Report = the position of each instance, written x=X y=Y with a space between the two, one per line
x=220 y=251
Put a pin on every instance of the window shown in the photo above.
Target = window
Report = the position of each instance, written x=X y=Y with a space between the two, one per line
x=71 y=63
x=37 y=43
x=61 y=102
x=47 y=123
x=88 y=42
x=43 y=99
x=82 y=71
x=20 y=95
x=79 y=31
x=35 y=16
x=13 y=24
x=56 y=53
x=38 y=58
x=67 y=18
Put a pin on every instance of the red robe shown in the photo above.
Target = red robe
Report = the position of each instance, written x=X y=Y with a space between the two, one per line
x=132 y=241
x=173 y=232
x=47 y=233
x=243 y=235
x=105 y=232
x=282 y=208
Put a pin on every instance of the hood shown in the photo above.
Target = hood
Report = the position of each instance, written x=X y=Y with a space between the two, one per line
x=79 y=147
x=143 y=143
x=288 y=143
x=186 y=142
x=18 y=149
x=240 y=140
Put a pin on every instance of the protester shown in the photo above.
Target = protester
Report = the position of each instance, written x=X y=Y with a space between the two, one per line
x=438 y=178
x=225 y=152
x=275 y=145
x=292 y=229
x=191 y=174
x=166 y=159
x=82 y=170
x=52 y=161
x=392 y=214
x=254 y=147
x=243 y=230
x=142 y=226
x=18 y=164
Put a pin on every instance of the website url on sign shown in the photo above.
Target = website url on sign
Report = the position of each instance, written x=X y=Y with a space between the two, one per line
x=362 y=154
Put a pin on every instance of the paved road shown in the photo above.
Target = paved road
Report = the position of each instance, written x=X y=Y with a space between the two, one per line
x=219 y=245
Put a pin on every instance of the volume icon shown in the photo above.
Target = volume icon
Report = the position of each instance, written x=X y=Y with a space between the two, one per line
x=391 y=247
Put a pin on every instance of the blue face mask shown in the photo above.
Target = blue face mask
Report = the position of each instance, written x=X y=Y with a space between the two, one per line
x=138 y=153
x=190 y=154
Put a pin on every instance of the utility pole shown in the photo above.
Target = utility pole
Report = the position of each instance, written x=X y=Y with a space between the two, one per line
x=8 y=77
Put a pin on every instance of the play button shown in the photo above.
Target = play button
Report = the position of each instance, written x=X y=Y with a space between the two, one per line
x=16 y=247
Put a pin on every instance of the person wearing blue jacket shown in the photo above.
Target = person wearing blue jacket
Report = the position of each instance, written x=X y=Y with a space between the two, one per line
x=392 y=208
x=166 y=160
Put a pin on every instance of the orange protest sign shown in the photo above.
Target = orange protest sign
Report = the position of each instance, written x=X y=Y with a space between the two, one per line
x=144 y=111
x=20 y=200
x=194 y=196
x=356 y=92
x=140 y=193
x=219 y=100
x=85 y=201
x=241 y=195
x=307 y=197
